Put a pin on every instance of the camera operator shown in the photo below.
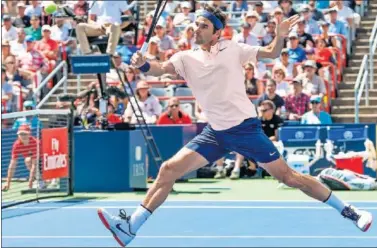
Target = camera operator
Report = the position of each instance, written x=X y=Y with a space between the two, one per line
x=87 y=109
x=104 y=19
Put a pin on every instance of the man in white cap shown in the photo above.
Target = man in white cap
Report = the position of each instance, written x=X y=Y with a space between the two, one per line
x=21 y=20
x=186 y=17
x=214 y=73
x=166 y=41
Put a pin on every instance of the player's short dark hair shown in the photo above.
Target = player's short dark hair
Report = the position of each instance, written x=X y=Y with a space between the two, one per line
x=216 y=12
x=270 y=104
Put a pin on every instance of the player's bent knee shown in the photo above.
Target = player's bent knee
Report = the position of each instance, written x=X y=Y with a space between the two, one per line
x=167 y=172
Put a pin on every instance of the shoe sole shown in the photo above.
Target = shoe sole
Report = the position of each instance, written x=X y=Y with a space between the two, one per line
x=367 y=226
x=106 y=224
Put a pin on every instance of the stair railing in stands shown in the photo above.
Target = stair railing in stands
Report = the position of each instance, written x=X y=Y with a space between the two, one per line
x=372 y=50
x=62 y=65
x=360 y=85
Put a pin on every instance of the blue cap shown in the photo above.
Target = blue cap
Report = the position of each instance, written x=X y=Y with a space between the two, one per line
x=315 y=98
x=29 y=38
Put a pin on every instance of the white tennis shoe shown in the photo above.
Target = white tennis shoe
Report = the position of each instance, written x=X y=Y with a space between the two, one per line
x=362 y=219
x=119 y=226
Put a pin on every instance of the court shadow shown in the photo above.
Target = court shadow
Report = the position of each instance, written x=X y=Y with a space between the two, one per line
x=39 y=207
x=198 y=182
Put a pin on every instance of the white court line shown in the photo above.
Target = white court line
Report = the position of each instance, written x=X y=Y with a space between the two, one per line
x=182 y=207
x=181 y=200
x=194 y=237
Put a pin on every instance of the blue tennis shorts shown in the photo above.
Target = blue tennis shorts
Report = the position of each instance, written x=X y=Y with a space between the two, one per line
x=247 y=139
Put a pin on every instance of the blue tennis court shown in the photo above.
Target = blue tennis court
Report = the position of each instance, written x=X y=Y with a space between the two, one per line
x=188 y=224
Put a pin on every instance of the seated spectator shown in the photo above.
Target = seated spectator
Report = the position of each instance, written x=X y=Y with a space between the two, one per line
x=170 y=28
x=228 y=32
x=34 y=30
x=277 y=15
x=18 y=46
x=296 y=103
x=106 y=20
x=317 y=15
x=282 y=87
x=238 y=6
x=270 y=121
x=312 y=83
x=337 y=26
x=323 y=55
x=8 y=31
x=149 y=105
x=346 y=14
x=199 y=114
x=311 y=25
x=153 y=52
x=283 y=62
x=185 y=17
x=173 y=115
x=31 y=120
x=47 y=46
x=32 y=61
x=21 y=20
x=112 y=76
x=6 y=92
x=60 y=32
x=330 y=40
x=5 y=50
x=35 y=9
x=316 y=115
x=144 y=29
x=219 y=4
x=270 y=33
x=14 y=75
x=246 y=36
x=305 y=39
x=270 y=94
x=112 y=117
x=263 y=16
x=296 y=53
x=286 y=6
x=127 y=49
x=253 y=86
x=256 y=28
x=166 y=42
x=187 y=40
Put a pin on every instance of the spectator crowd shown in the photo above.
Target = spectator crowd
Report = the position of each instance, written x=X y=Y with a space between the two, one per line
x=298 y=83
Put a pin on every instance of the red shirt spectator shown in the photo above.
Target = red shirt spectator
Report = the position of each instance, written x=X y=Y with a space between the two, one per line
x=323 y=54
x=47 y=46
x=174 y=115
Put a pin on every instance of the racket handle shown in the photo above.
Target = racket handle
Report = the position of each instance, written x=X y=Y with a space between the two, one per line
x=144 y=48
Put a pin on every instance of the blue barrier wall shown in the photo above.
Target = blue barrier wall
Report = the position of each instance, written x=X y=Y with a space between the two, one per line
x=109 y=161
x=300 y=139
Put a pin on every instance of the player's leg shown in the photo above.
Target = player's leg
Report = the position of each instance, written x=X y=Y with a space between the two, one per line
x=249 y=140
x=315 y=189
x=237 y=167
x=202 y=150
x=220 y=173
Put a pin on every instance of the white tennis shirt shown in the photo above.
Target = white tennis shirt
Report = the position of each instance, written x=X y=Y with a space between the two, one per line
x=217 y=81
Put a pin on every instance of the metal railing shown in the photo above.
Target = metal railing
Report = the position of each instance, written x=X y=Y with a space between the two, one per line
x=372 y=50
x=62 y=65
x=360 y=85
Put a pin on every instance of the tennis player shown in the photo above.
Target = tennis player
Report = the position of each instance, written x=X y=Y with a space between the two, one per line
x=214 y=73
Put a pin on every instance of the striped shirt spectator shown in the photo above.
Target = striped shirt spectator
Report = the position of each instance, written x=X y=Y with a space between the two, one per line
x=32 y=60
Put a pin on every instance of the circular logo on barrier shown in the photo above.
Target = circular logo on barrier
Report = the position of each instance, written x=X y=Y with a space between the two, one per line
x=348 y=135
x=299 y=135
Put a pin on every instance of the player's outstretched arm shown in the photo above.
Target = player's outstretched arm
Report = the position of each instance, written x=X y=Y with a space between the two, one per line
x=152 y=68
x=273 y=50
